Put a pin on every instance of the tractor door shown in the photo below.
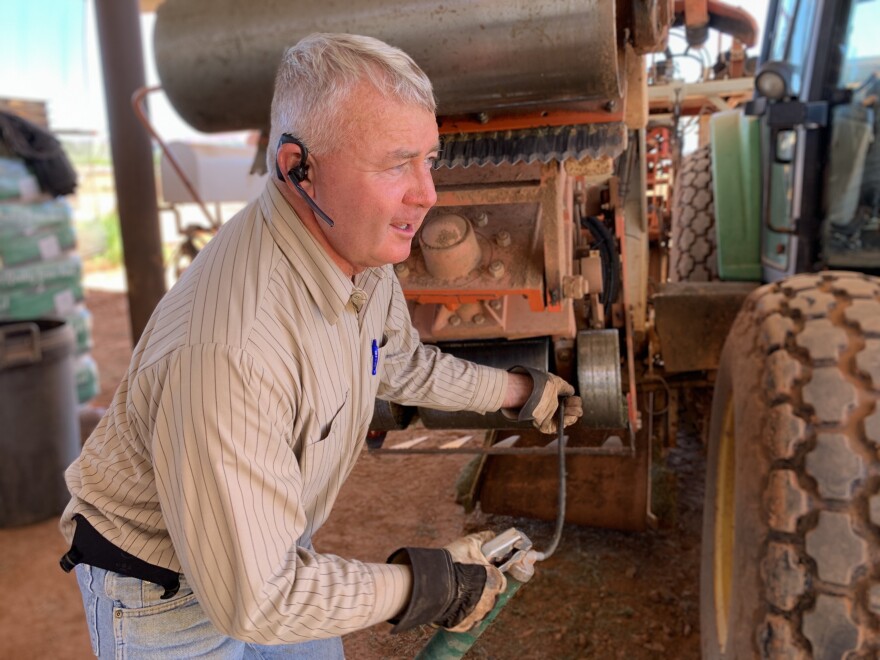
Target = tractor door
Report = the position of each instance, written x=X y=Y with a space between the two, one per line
x=817 y=97
x=851 y=232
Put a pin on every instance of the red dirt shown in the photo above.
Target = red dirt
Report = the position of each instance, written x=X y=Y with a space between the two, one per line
x=604 y=594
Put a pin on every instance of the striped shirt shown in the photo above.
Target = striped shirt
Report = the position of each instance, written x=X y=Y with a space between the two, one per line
x=242 y=413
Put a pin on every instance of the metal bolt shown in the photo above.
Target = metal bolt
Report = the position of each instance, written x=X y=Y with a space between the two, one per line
x=481 y=219
x=611 y=106
x=454 y=320
x=483 y=117
x=479 y=319
x=401 y=269
x=496 y=268
x=502 y=238
x=495 y=304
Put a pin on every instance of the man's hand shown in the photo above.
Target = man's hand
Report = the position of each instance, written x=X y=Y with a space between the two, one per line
x=453 y=587
x=468 y=550
x=542 y=405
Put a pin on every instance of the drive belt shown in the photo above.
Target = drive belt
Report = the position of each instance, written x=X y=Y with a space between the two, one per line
x=545 y=144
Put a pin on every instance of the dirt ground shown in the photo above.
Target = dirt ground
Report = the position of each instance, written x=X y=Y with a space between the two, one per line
x=604 y=594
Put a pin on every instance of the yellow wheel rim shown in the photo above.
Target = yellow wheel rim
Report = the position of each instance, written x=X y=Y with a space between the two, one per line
x=724 y=524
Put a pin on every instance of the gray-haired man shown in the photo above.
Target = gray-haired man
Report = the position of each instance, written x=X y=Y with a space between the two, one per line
x=252 y=388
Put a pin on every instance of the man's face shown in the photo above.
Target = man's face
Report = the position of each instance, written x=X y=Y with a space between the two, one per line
x=377 y=185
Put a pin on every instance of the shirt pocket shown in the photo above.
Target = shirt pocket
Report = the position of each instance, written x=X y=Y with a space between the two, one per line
x=321 y=460
x=336 y=424
x=381 y=353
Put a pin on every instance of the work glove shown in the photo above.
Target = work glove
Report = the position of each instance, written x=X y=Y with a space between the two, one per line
x=454 y=587
x=468 y=550
x=542 y=406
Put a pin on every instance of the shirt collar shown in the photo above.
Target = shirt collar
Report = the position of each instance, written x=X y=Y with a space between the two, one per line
x=325 y=281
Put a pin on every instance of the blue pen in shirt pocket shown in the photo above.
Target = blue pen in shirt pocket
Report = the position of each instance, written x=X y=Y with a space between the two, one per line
x=375 y=356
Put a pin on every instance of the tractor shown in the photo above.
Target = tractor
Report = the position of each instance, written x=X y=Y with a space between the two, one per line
x=787 y=193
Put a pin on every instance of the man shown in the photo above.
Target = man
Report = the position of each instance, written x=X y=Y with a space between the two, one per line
x=252 y=388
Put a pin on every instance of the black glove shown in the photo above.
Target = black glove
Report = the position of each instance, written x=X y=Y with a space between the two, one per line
x=446 y=593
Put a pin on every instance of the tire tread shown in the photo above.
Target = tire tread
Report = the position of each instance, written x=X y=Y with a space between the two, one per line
x=821 y=559
x=693 y=243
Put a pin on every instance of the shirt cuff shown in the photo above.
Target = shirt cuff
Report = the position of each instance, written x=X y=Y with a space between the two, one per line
x=393 y=586
x=490 y=389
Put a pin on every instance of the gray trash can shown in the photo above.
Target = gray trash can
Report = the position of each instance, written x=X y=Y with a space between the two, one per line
x=39 y=429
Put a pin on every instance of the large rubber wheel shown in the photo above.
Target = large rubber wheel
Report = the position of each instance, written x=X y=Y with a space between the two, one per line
x=692 y=250
x=791 y=532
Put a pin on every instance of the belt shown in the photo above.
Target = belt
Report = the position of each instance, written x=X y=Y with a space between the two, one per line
x=89 y=547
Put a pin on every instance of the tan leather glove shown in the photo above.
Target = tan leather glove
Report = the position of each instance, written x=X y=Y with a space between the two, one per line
x=453 y=587
x=467 y=550
x=542 y=406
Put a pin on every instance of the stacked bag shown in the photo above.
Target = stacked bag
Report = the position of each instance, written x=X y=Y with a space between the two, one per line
x=40 y=271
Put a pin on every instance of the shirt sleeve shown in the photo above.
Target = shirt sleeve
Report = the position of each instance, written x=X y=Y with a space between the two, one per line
x=230 y=487
x=415 y=374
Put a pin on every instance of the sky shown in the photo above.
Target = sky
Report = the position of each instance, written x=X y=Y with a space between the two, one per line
x=49 y=52
x=43 y=57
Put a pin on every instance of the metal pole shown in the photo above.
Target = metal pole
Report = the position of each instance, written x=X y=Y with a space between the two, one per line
x=122 y=63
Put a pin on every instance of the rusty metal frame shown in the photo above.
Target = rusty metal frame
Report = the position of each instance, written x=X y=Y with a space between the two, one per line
x=658 y=179
x=623 y=452
x=620 y=227
x=689 y=99
x=137 y=101
x=699 y=15
x=527 y=192
x=548 y=189
x=555 y=226
x=609 y=113
x=611 y=490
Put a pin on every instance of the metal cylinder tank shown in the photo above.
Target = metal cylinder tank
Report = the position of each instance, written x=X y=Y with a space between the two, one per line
x=217 y=58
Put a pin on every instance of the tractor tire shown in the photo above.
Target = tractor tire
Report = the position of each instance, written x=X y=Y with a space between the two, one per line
x=692 y=250
x=791 y=527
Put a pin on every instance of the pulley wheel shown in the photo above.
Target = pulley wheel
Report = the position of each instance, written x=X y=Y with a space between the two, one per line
x=599 y=381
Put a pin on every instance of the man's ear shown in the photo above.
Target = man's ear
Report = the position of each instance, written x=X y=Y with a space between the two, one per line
x=291 y=157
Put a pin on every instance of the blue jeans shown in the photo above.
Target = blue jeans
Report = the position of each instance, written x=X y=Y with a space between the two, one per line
x=128 y=619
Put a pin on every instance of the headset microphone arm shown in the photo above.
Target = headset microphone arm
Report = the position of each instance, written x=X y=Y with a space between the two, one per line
x=312 y=204
x=299 y=173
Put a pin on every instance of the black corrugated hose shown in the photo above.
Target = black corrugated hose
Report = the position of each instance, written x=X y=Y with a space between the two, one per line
x=608 y=253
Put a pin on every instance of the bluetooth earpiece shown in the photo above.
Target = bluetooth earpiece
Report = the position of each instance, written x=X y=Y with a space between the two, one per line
x=300 y=173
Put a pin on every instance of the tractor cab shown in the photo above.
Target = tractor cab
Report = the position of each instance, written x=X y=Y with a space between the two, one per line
x=818 y=97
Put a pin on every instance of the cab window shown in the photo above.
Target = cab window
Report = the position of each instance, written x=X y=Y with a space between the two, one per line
x=791 y=37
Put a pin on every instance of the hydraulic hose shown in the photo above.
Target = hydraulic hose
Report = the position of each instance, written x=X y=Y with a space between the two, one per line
x=608 y=254
x=446 y=645
x=560 y=510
